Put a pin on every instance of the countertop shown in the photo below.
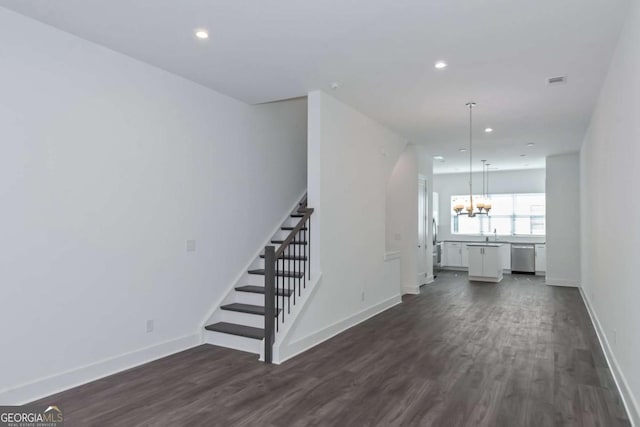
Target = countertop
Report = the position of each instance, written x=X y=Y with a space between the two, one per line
x=487 y=244
x=515 y=242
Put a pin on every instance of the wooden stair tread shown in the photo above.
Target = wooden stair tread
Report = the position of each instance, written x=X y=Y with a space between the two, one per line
x=291 y=257
x=234 y=329
x=294 y=274
x=295 y=242
x=260 y=290
x=244 y=308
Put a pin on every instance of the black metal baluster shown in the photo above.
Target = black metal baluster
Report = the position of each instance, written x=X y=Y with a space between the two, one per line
x=309 y=259
x=298 y=269
x=289 y=278
x=278 y=304
x=293 y=262
x=280 y=288
x=292 y=268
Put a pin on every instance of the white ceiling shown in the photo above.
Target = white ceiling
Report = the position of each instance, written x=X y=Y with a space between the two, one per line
x=382 y=52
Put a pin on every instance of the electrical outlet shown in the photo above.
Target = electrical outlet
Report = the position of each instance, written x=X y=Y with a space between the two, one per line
x=191 y=245
x=398 y=236
x=150 y=325
x=362 y=295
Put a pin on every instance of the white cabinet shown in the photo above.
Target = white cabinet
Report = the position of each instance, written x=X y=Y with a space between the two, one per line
x=485 y=262
x=452 y=254
x=464 y=251
x=455 y=255
x=476 y=261
x=505 y=252
x=541 y=259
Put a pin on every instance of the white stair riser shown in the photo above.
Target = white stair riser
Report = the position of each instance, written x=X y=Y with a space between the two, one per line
x=253 y=279
x=291 y=265
x=280 y=235
x=291 y=222
x=233 y=341
x=283 y=234
x=286 y=265
x=257 y=264
x=282 y=281
x=239 y=318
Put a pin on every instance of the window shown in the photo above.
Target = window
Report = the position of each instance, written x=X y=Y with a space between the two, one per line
x=511 y=214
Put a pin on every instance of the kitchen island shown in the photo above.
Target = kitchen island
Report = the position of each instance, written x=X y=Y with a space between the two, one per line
x=455 y=254
x=485 y=262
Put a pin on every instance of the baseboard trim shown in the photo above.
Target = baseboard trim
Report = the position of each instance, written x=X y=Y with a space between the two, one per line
x=456 y=269
x=412 y=290
x=430 y=279
x=562 y=282
x=303 y=344
x=628 y=400
x=57 y=383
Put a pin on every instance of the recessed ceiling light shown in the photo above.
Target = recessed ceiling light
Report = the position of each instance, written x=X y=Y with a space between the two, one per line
x=531 y=144
x=335 y=85
x=438 y=158
x=523 y=155
x=202 y=34
x=440 y=65
x=488 y=130
x=462 y=150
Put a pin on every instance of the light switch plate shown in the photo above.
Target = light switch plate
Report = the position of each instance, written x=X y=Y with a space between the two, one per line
x=191 y=245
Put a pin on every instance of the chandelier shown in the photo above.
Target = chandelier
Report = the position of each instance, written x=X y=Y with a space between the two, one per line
x=483 y=205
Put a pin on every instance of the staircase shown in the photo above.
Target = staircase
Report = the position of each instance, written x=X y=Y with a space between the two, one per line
x=256 y=307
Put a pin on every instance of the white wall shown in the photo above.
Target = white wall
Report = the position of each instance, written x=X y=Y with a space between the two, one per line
x=500 y=182
x=107 y=167
x=610 y=226
x=401 y=216
x=563 y=225
x=351 y=158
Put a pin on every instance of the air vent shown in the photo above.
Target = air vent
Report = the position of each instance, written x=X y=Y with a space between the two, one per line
x=560 y=80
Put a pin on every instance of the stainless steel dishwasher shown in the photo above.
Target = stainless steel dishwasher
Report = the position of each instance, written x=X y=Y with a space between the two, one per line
x=523 y=258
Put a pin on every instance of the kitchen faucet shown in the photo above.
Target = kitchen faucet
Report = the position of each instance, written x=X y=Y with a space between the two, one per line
x=495 y=236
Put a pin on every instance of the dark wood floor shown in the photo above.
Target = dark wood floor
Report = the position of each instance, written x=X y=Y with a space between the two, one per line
x=514 y=354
